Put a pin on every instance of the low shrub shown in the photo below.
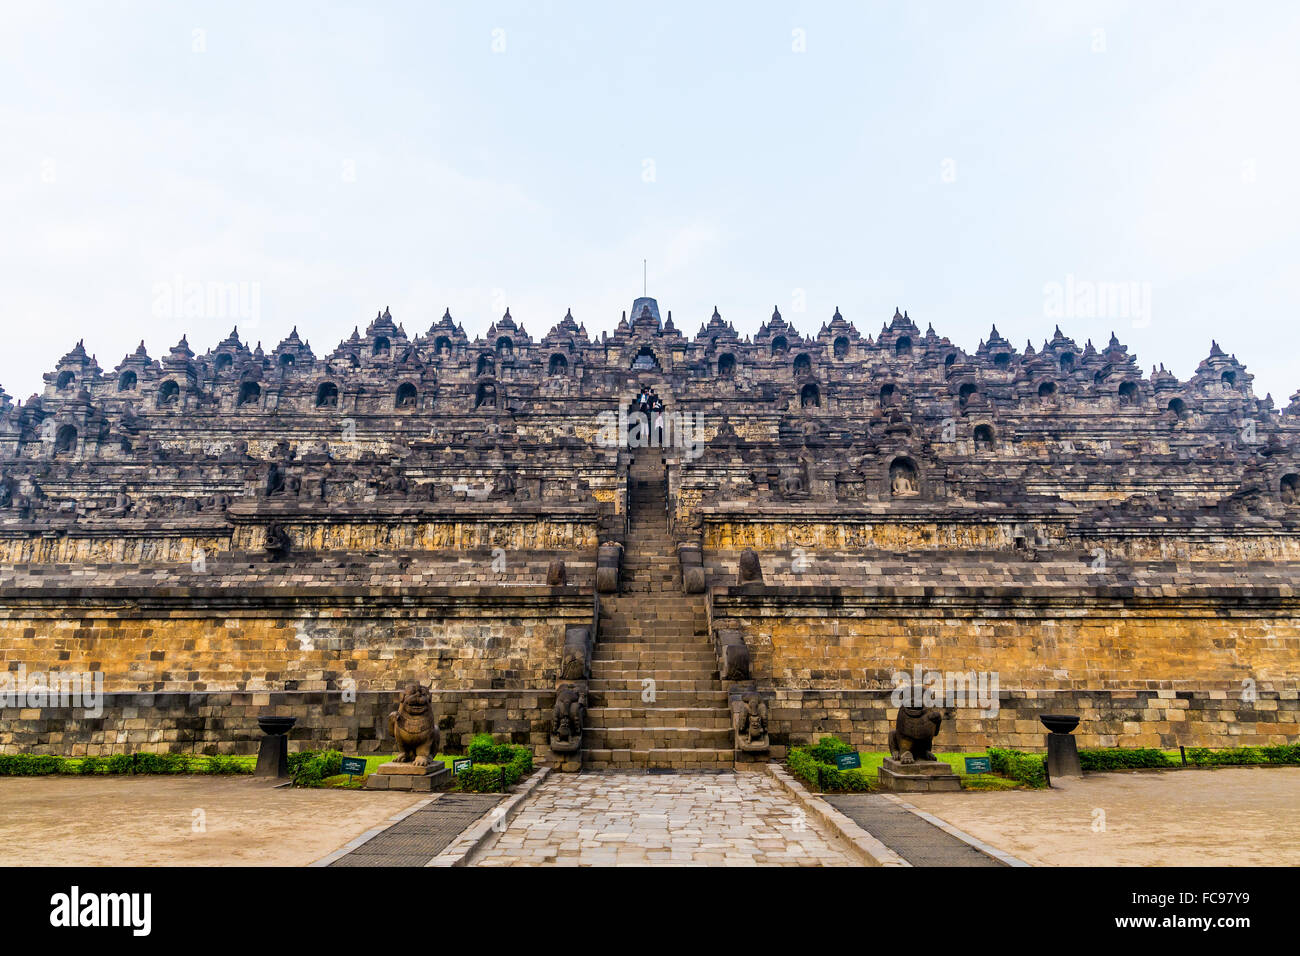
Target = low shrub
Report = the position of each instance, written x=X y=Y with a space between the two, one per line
x=496 y=766
x=828 y=748
x=1281 y=753
x=31 y=765
x=1244 y=756
x=222 y=764
x=1029 y=769
x=120 y=763
x=483 y=749
x=308 y=768
x=27 y=765
x=160 y=763
x=1114 y=758
x=816 y=767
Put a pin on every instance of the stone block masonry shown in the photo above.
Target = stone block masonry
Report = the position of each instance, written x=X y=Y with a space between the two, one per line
x=189 y=669
x=246 y=528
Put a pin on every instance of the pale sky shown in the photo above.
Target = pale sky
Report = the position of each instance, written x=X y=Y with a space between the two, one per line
x=955 y=159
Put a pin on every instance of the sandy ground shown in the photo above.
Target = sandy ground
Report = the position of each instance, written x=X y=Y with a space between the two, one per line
x=1240 y=816
x=150 y=821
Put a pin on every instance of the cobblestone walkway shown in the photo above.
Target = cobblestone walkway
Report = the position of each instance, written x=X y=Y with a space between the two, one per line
x=609 y=819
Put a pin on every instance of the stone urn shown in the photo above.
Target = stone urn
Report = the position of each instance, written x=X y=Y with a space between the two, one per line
x=273 y=752
x=1062 y=750
x=1059 y=723
x=276 y=726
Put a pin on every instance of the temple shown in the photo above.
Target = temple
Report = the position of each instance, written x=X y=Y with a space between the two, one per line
x=246 y=531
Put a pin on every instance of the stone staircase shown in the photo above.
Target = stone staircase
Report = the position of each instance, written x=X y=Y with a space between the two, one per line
x=651 y=631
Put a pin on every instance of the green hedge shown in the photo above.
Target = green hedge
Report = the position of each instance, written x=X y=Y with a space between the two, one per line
x=1029 y=769
x=1244 y=756
x=31 y=765
x=815 y=766
x=307 y=767
x=496 y=766
x=1120 y=759
x=115 y=763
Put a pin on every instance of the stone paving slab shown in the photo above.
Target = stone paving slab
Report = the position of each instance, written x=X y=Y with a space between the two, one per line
x=916 y=841
x=685 y=819
x=421 y=835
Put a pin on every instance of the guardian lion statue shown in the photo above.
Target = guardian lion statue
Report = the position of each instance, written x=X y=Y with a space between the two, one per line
x=413 y=728
x=913 y=734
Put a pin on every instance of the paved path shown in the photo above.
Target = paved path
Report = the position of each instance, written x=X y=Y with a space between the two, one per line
x=606 y=819
x=917 y=842
x=164 y=820
x=1235 y=816
x=420 y=836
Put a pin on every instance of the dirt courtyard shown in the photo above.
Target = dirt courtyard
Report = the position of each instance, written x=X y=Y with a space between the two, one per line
x=180 y=821
x=1238 y=816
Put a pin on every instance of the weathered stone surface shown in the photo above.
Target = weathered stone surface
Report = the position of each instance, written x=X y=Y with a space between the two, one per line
x=412 y=727
x=212 y=532
x=410 y=769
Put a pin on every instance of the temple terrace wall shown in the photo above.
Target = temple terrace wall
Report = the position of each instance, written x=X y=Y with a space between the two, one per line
x=190 y=668
x=1143 y=667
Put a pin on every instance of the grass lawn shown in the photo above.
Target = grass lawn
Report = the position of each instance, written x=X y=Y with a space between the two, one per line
x=873 y=760
x=373 y=762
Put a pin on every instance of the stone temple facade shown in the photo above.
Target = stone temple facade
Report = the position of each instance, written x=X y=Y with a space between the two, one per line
x=244 y=531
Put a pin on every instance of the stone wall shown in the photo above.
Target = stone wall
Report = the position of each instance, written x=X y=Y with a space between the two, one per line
x=1138 y=718
x=191 y=667
x=223 y=722
x=1158 y=666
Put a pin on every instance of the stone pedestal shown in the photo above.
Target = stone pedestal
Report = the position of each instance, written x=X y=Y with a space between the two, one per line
x=273 y=751
x=921 y=776
x=273 y=757
x=407 y=776
x=567 y=754
x=1062 y=757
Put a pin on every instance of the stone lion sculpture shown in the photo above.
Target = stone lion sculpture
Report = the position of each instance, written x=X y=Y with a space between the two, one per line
x=913 y=734
x=412 y=726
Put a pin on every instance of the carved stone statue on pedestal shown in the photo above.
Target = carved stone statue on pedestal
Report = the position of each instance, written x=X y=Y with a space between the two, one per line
x=912 y=766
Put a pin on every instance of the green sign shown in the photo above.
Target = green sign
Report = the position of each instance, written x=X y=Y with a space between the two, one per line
x=458 y=765
x=354 y=765
x=851 y=761
x=978 y=765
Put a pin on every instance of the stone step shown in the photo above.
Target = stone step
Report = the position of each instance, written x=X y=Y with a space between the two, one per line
x=659 y=652
x=660 y=676
x=693 y=622
x=661 y=611
x=688 y=668
x=665 y=686
x=657 y=738
x=674 y=631
x=652 y=635
x=710 y=717
x=693 y=758
x=630 y=698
